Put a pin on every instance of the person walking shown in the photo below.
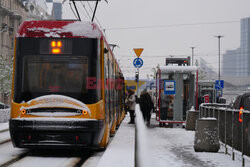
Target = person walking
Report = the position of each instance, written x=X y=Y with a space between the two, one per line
x=164 y=107
x=146 y=105
x=131 y=105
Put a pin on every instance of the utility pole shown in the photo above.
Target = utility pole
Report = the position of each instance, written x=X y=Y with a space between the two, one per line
x=219 y=37
x=192 y=55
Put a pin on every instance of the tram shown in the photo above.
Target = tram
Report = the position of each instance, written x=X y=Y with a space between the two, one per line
x=67 y=86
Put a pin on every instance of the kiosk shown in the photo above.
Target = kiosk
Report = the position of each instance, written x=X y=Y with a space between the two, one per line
x=175 y=93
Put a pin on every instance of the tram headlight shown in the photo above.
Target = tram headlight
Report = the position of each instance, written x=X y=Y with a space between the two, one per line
x=84 y=112
x=23 y=111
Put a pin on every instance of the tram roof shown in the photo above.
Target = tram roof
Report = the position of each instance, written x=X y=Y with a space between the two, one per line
x=59 y=29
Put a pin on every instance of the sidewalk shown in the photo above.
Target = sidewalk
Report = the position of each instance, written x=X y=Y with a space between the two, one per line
x=166 y=147
x=120 y=151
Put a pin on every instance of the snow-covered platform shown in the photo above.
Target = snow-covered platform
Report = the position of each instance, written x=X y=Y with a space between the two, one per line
x=120 y=151
x=166 y=147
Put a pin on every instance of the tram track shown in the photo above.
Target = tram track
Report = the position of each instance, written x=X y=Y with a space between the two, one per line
x=10 y=156
x=14 y=160
x=4 y=136
x=50 y=157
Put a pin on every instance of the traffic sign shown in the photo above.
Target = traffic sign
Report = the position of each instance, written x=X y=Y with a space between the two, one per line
x=138 y=51
x=138 y=62
x=169 y=87
x=219 y=84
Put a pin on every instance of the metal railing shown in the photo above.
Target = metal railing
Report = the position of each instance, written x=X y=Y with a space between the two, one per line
x=233 y=127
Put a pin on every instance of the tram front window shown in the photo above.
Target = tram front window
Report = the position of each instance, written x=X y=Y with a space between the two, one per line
x=58 y=75
x=39 y=73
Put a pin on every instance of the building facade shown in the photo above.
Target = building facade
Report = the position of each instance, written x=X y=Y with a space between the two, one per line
x=12 y=13
x=205 y=71
x=237 y=62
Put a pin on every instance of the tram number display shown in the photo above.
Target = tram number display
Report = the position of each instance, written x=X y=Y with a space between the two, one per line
x=55 y=46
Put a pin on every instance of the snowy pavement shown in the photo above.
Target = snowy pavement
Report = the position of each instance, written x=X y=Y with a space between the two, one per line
x=166 y=147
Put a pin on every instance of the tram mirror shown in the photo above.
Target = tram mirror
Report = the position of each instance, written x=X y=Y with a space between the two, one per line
x=105 y=50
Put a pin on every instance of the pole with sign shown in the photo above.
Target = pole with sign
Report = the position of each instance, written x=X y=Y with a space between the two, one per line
x=138 y=62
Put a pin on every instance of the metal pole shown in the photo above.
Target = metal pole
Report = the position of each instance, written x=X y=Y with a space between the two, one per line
x=76 y=10
x=94 y=11
x=233 y=135
x=137 y=90
x=192 y=55
x=197 y=74
x=219 y=37
x=226 y=131
x=242 y=140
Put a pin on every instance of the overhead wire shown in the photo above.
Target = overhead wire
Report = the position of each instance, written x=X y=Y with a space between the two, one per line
x=171 y=25
x=98 y=22
x=72 y=10
x=95 y=16
x=86 y=10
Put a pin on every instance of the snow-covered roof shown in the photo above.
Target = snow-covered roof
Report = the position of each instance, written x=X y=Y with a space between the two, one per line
x=178 y=69
x=59 y=29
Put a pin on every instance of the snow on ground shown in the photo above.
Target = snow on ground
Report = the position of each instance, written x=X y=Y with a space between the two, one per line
x=120 y=151
x=39 y=161
x=167 y=147
x=4 y=136
x=7 y=152
x=164 y=146
x=4 y=115
x=4 y=126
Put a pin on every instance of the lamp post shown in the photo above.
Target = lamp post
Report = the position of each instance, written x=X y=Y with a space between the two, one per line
x=192 y=55
x=219 y=37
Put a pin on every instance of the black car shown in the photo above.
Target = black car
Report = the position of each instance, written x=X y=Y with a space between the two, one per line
x=4 y=106
x=242 y=100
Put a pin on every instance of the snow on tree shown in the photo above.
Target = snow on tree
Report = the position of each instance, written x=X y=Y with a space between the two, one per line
x=5 y=76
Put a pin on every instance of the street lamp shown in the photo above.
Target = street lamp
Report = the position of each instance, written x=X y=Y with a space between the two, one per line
x=219 y=37
x=192 y=55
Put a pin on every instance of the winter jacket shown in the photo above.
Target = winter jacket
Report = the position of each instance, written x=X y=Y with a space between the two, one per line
x=146 y=103
x=165 y=100
x=131 y=102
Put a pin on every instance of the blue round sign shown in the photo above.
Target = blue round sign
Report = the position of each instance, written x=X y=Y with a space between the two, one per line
x=138 y=62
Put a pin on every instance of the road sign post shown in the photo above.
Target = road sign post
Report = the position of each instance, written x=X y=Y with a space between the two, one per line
x=138 y=51
x=138 y=62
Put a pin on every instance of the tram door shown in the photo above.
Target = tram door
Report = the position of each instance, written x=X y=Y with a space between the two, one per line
x=106 y=92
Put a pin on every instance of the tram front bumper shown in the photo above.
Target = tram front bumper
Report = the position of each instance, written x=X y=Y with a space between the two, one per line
x=57 y=132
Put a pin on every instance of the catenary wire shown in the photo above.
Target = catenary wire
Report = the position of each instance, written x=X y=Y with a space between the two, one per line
x=73 y=10
x=86 y=10
x=171 y=25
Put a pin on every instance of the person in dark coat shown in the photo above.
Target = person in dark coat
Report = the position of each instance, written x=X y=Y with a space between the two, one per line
x=146 y=105
x=131 y=105
x=164 y=106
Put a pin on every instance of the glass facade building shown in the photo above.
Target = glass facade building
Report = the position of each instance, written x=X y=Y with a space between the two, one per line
x=237 y=62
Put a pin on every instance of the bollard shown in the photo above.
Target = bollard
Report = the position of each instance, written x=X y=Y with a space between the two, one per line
x=192 y=116
x=206 y=135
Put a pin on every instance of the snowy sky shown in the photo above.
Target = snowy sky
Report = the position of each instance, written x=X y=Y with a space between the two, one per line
x=167 y=27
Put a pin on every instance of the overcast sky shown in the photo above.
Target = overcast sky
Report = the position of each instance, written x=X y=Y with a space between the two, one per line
x=167 y=27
